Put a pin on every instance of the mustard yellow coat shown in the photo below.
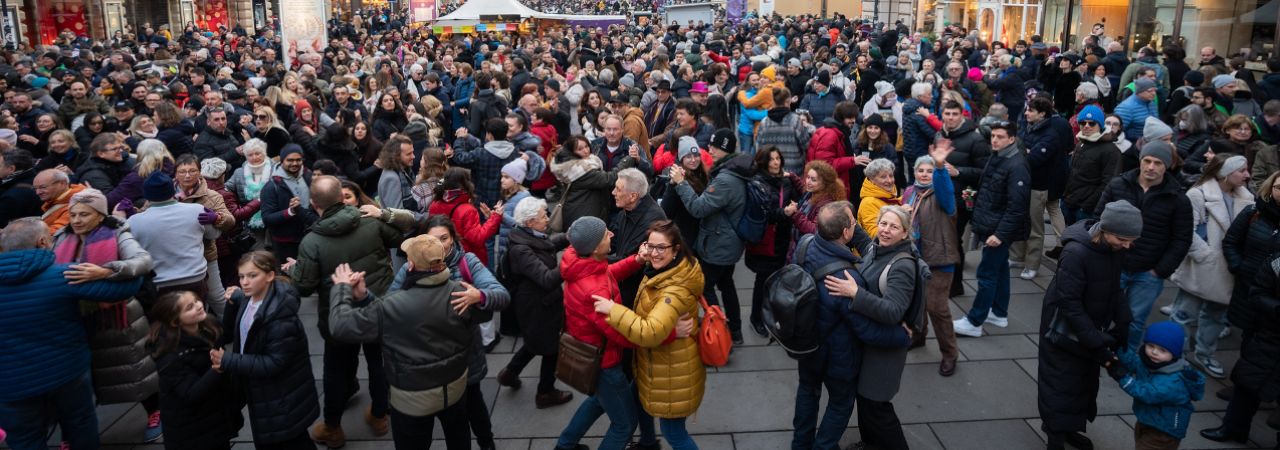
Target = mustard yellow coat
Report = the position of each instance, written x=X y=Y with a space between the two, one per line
x=873 y=198
x=669 y=375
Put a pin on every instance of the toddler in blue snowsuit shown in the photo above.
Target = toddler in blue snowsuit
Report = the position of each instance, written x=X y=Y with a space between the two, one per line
x=1162 y=385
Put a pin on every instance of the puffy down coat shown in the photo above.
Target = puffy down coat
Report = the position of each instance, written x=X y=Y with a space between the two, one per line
x=669 y=374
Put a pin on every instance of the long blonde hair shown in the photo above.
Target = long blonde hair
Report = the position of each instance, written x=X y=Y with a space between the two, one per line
x=152 y=156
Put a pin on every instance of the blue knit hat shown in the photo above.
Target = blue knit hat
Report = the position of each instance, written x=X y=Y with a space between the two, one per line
x=158 y=187
x=1166 y=334
x=1092 y=113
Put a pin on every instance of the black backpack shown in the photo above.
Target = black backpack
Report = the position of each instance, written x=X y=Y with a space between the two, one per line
x=792 y=305
x=914 y=316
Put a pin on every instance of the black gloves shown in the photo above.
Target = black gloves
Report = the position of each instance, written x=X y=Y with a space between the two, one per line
x=1117 y=370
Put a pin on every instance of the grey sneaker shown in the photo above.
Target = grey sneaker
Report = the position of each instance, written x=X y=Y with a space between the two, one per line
x=1181 y=317
x=1211 y=366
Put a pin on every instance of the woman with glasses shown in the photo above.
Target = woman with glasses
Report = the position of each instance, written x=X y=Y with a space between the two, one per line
x=38 y=142
x=106 y=164
x=669 y=374
x=192 y=189
x=270 y=130
x=1093 y=163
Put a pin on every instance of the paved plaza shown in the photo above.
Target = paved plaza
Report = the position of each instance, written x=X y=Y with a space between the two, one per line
x=990 y=403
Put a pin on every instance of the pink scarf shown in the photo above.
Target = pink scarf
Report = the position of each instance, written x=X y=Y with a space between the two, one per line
x=98 y=248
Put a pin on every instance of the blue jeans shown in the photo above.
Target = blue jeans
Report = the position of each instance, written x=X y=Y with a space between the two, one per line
x=1073 y=215
x=747 y=143
x=842 y=396
x=1141 y=288
x=70 y=406
x=613 y=397
x=993 y=285
x=673 y=429
x=1211 y=318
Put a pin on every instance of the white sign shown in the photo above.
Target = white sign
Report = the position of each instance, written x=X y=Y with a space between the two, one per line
x=766 y=8
x=302 y=27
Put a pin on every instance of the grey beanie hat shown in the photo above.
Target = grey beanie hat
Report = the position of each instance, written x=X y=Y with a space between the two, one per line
x=1160 y=150
x=1154 y=129
x=1122 y=219
x=1142 y=85
x=1232 y=164
x=585 y=234
x=688 y=146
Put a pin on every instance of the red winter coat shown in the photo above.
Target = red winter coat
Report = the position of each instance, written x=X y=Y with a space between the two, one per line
x=584 y=277
x=549 y=137
x=829 y=144
x=466 y=220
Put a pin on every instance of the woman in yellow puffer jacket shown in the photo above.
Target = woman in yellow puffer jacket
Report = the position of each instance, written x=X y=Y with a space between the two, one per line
x=878 y=190
x=669 y=373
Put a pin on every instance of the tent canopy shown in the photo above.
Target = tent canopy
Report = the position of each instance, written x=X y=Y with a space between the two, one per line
x=469 y=13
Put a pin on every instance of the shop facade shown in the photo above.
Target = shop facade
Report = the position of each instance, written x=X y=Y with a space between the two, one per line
x=1230 y=26
x=42 y=21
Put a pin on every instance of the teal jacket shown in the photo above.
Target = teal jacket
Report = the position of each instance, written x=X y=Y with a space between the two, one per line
x=1162 y=399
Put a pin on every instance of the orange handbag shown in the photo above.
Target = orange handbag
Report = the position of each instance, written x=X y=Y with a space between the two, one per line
x=714 y=341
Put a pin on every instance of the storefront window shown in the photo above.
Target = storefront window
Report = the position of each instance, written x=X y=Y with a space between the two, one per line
x=62 y=16
x=1113 y=14
x=1232 y=27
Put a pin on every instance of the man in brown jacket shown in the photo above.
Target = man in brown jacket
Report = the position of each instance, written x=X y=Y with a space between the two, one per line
x=633 y=127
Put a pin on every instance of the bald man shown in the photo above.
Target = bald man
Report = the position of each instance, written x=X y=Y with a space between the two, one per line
x=54 y=188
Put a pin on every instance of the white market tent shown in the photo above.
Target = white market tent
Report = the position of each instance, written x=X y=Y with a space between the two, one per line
x=469 y=13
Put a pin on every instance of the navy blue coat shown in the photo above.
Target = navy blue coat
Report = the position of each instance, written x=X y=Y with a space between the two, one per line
x=1048 y=142
x=1004 y=196
x=45 y=343
x=916 y=132
x=284 y=227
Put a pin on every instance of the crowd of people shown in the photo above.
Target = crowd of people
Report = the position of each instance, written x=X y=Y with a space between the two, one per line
x=169 y=200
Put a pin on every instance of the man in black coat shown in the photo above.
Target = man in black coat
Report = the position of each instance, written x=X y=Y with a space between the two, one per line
x=999 y=219
x=1166 y=230
x=1084 y=321
x=106 y=165
x=1048 y=140
x=630 y=226
x=969 y=157
x=16 y=192
x=218 y=140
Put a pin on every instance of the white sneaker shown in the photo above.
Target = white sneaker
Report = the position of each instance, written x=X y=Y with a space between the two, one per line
x=1002 y=322
x=1166 y=310
x=1027 y=274
x=964 y=328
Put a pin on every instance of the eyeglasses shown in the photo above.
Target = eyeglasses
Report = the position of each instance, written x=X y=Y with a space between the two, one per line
x=1088 y=123
x=260 y=116
x=658 y=249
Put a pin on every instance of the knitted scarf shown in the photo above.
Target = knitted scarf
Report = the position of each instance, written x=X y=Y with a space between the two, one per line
x=98 y=248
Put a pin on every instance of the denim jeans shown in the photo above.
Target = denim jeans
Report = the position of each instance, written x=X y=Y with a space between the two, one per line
x=613 y=397
x=842 y=396
x=746 y=143
x=1141 y=288
x=672 y=429
x=70 y=406
x=993 y=285
x=1212 y=318
x=1073 y=215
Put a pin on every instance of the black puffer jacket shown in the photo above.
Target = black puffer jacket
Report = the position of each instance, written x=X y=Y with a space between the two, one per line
x=970 y=154
x=200 y=407
x=101 y=174
x=535 y=286
x=178 y=138
x=1004 y=195
x=1166 y=222
x=273 y=365
x=1093 y=165
x=1253 y=237
x=1259 y=364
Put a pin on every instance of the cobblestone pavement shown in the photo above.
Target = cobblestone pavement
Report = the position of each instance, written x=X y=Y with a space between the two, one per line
x=990 y=403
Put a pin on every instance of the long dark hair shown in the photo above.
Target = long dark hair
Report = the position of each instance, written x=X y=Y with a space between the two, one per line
x=165 y=331
x=763 y=156
x=717 y=111
x=456 y=178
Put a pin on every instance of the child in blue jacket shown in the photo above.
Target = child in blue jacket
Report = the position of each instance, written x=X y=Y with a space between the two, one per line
x=1162 y=385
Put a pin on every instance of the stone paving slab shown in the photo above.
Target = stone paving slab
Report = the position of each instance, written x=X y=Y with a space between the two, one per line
x=986 y=435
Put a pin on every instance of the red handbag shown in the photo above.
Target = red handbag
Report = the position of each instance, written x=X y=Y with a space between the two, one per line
x=714 y=341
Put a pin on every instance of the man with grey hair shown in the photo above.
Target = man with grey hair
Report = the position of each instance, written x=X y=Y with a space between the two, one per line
x=38 y=308
x=636 y=210
x=916 y=132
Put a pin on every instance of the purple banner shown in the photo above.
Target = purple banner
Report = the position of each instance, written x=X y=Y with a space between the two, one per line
x=734 y=9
